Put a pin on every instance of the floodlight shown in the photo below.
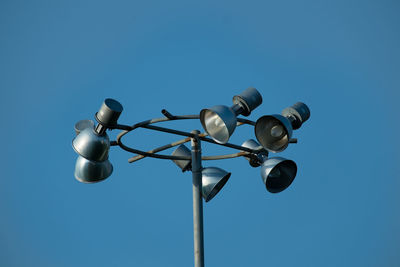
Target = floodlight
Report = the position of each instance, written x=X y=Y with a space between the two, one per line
x=274 y=131
x=213 y=178
x=297 y=114
x=277 y=173
x=89 y=171
x=220 y=121
x=184 y=164
x=92 y=143
x=92 y=146
x=255 y=160
x=82 y=125
x=108 y=114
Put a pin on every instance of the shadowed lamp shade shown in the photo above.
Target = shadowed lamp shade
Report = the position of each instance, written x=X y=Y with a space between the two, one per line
x=213 y=179
x=278 y=174
x=273 y=132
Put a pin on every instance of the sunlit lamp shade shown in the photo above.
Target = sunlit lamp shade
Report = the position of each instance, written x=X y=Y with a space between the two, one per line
x=213 y=179
x=88 y=171
x=278 y=173
x=219 y=122
x=82 y=125
x=273 y=132
x=91 y=145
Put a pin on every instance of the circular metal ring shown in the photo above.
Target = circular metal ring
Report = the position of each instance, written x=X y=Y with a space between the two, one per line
x=128 y=129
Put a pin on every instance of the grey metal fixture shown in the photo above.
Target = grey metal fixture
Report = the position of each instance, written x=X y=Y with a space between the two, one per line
x=92 y=144
x=82 y=125
x=220 y=121
x=277 y=173
x=213 y=178
x=90 y=171
x=274 y=132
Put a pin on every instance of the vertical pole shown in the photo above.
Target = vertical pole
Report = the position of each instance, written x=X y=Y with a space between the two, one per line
x=197 y=201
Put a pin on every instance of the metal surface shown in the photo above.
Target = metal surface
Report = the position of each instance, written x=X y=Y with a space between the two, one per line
x=201 y=137
x=278 y=173
x=88 y=171
x=146 y=124
x=213 y=179
x=109 y=112
x=249 y=99
x=182 y=141
x=91 y=145
x=182 y=150
x=273 y=132
x=82 y=125
x=255 y=160
x=198 y=235
x=219 y=122
x=299 y=113
x=161 y=148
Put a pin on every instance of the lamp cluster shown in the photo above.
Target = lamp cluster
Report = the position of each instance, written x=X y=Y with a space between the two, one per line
x=273 y=133
x=92 y=144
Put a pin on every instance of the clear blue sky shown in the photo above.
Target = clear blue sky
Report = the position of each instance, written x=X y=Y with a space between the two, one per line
x=60 y=59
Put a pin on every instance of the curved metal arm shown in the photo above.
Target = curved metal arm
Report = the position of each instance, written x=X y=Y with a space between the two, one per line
x=168 y=117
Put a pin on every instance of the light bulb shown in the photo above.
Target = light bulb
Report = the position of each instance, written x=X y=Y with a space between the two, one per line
x=277 y=131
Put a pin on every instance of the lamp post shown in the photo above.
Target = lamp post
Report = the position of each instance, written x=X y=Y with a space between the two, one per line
x=274 y=133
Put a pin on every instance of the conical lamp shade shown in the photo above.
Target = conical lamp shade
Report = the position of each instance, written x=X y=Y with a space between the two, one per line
x=182 y=150
x=273 y=132
x=92 y=146
x=88 y=171
x=82 y=125
x=299 y=113
x=213 y=179
x=278 y=173
x=219 y=122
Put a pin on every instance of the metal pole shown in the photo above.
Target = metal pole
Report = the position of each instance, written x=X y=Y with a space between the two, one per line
x=197 y=201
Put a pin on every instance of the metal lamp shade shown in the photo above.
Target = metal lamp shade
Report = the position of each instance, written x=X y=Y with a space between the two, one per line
x=82 y=125
x=255 y=161
x=299 y=113
x=278 y=173
x=219 y=122
x=88 y=171
x=182 y=150
x=273 y=132
x=249 y=99
x=109 y=112
x=92 y=146
x=213 y=179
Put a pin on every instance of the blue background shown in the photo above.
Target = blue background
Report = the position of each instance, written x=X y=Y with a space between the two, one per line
x=60 y=59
